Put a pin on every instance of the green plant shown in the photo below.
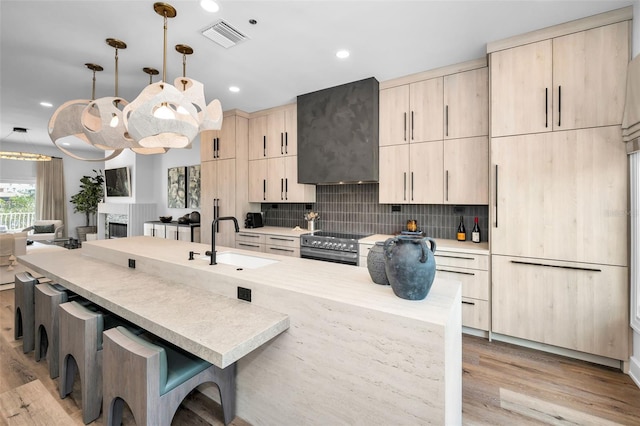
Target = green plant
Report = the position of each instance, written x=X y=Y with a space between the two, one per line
x=91 y=193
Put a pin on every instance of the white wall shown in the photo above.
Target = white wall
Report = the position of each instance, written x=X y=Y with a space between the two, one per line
x=73 y=170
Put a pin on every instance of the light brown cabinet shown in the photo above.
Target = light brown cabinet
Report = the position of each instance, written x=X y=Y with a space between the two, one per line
x=561 y=195
x=580 y=306
x=283 y=245
x=569 y=82
x=273 y=133
x=218 y=200
x=442 y=125
x=219 y=144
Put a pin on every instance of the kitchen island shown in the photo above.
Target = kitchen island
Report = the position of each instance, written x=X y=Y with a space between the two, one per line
x=354 y=353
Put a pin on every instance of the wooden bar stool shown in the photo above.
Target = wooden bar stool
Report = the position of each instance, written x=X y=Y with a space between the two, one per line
x=24 y=315
x=80 y=340
x=153 y=377
x=47 y=298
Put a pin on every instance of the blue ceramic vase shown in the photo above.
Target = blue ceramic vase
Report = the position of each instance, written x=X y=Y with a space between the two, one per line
x=410 y=265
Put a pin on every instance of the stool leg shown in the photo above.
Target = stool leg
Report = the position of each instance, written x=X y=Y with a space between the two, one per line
x=226 y=381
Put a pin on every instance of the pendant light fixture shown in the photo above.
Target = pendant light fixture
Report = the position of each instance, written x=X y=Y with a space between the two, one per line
x=21 y=155
x=66 y=121
x=102 y=118
x=161 y=116
x=138 y=149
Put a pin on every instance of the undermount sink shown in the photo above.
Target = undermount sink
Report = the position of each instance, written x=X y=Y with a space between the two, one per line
x=242 y=260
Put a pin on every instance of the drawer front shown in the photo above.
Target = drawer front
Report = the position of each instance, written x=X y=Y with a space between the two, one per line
x=283 y=241
x=251 y=246
x=475 y=283
x=283 y=251
x=475 y=313
x=462 y=260
x=248 y=237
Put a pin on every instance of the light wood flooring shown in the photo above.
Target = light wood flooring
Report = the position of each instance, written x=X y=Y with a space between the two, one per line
x=502 y=384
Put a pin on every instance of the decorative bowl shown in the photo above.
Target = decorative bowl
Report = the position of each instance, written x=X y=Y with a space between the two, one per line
x=166 y=219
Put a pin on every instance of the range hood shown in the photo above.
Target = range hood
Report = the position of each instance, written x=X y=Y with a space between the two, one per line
x=338 y=134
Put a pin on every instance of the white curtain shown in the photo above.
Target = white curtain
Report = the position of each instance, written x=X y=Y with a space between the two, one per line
x=50 y=195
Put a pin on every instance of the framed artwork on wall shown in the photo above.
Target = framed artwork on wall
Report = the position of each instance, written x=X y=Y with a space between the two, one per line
x=193 y=187
x=177 y=188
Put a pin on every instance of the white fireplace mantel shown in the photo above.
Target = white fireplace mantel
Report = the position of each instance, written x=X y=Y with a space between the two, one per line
x=137 y=214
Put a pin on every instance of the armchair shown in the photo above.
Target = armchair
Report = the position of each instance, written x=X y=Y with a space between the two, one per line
x=43 y=230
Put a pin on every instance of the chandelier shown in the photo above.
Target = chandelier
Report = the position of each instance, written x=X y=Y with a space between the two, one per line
x=20 y=155
x=163 y=116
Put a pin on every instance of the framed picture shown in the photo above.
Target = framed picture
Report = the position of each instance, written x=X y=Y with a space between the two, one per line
x=177 y=187
x=193 y=187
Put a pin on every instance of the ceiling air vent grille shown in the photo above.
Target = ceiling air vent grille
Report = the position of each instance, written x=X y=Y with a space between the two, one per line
x=224 y=34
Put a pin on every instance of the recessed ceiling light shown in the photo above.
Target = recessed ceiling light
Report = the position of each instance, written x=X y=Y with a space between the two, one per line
x=342 y=54
x=46 y=104
x=209 y=5
x=234 y=89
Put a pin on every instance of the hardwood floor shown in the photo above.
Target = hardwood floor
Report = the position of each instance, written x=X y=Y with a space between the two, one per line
x=502 y=384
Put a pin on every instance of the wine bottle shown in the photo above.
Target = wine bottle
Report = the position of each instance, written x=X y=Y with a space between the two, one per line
x=462 y=234
x=475 y=232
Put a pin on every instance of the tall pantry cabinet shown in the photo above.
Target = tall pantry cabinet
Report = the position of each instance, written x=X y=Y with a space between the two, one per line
x=559 y=186
x=224 y=171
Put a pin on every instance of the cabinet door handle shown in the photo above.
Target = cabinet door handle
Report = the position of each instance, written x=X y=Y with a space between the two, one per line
x=249 y=235
x=412 y=125
x=280 y=249
x=455 y=272
x=546 y=265
x=446 y=120
x=496 y=196
x=264 y=190
x=264 y=145
x=405 y=126
x=213 y=142
x=559 y=105
x=286 y=142
x=218 y=150
x=411 y=186
x=455 y=257
x=546 y=107
x=404 y=180
x=281 y=239
x=281 y=188
x=281 y=143
x=248 y=245
x=446 y=183
x=468 y=303
x=286 y=188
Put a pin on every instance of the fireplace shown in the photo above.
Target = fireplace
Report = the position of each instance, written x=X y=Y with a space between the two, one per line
x=117 y=230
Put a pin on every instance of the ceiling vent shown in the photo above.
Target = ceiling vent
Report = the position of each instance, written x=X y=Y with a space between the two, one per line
x=224 y=34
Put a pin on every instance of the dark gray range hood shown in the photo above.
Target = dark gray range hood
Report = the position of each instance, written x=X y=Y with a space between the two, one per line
x=338 y=134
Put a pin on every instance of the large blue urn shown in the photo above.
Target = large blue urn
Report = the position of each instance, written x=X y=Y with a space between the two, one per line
x=410 y=265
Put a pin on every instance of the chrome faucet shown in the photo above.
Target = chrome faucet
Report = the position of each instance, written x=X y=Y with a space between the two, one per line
x=212 y=253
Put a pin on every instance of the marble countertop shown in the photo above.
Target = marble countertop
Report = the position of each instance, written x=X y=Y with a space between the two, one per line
x=214 y=327
x=441 y=244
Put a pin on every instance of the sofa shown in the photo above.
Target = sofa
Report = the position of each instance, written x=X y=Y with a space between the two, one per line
x=43 y=230
x=12 y=244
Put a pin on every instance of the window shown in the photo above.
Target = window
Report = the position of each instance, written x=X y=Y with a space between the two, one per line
x=17 y=205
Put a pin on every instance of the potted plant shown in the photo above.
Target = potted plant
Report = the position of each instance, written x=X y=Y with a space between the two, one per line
x=86 y=201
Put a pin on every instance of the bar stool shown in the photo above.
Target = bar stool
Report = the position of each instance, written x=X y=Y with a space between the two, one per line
x=47 y=298
x=153 y=377
x=80 y=339
x=24 y=321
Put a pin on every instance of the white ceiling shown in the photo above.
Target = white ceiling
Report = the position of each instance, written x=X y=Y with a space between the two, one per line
x=291 y=51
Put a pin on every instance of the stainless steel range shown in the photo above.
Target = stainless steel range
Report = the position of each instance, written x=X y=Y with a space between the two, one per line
x=330 y=247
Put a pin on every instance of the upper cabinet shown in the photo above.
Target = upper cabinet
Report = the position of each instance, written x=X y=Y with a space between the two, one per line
x=442 y=121
x=219 y=144
x=273 y=133
x=569 y=82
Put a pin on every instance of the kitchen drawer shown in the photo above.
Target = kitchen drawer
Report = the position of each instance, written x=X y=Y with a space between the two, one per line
x=283 y=241
x=250 y=246
x=249 y=237
x=282 y=250
x=462 y=260
x=475 y=313
x=475 y=283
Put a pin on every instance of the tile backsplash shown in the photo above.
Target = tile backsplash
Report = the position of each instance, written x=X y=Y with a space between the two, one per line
x=354 y=208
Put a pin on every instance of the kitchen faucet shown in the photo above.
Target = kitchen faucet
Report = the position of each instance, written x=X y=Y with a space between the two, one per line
x=212 y=253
